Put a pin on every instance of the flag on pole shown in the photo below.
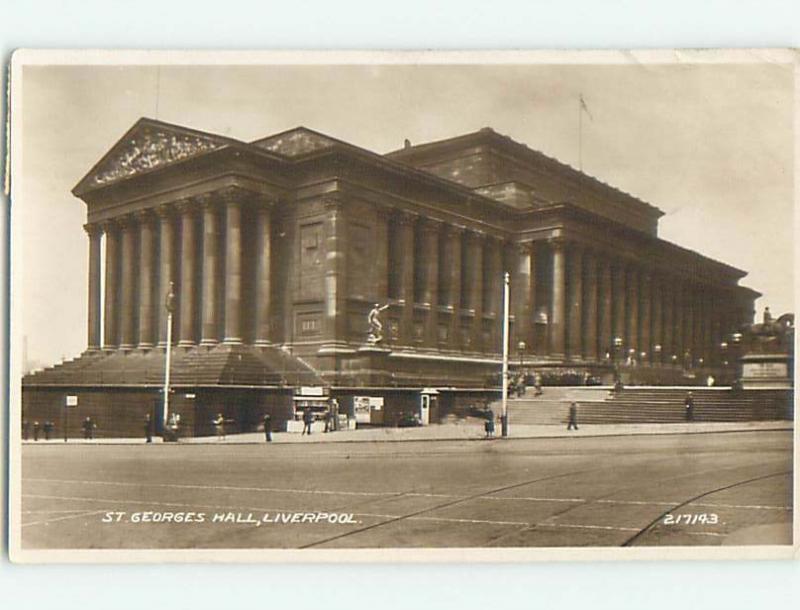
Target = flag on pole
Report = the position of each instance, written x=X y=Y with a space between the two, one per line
x=585 y=108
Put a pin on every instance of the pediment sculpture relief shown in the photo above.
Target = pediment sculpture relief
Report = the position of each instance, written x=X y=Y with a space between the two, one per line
x=148 y=149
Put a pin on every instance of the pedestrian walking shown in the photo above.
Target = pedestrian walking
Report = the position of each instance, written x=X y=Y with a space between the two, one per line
x=88 y=429
x=268 y=427
x=26 y=429
x=308 y=419
x=219 y=425
x=36 y=430
x=48 y=429
x=572 y=424
x=489 y=425
x=329 y=420
x=688 y=405
x=148 y=428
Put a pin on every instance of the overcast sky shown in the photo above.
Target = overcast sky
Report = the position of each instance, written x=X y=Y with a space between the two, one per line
x=709 y=144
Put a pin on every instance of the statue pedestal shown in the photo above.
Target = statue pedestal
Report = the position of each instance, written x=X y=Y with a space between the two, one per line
x=766 y=372
x=369 y=365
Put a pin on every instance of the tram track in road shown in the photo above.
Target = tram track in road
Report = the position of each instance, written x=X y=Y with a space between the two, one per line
x=630 y=541
x=605 y=498
x=448 y=504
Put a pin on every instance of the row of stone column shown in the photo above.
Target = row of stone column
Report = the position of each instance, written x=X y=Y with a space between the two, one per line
x=606 y=307
x=153 y=250
x=598 y=306
x=450 y=275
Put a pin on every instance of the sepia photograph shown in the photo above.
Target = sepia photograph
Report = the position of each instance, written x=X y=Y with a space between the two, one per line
x=406 y=306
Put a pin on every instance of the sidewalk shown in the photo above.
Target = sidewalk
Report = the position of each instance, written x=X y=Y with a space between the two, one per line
x=462 y=431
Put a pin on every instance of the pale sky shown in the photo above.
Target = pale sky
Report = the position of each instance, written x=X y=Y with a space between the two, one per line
x=709 y=144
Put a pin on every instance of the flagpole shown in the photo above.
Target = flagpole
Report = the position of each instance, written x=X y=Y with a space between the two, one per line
x=169 y=307
x=580 y=133
x=504 y=417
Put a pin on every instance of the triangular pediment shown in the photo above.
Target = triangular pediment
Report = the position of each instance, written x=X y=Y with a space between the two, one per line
x=295 y=142
x=148 y=145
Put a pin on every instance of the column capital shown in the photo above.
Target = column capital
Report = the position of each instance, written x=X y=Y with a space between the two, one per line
x=231 y=194
x=127 y=221
x=109 y=226
x=474 y=235
x=144 y=216
x=204 y=201
x=404 y=217
x=94 y=229
x=453 y=230
x=523 y=247
x=430 y=225
x=185 y=206
x=165 y=210
x=557 y=243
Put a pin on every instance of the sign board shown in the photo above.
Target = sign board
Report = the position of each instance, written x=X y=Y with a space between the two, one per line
x=364 y=406
x=765 y=370
x=72 y=400
x=310 y=390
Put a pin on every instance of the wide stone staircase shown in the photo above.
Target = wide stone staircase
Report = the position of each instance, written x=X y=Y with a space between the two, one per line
x=598 y=405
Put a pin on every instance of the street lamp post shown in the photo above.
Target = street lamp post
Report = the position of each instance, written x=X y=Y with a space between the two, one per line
x=521 y=349
x=169 y=305
x=504 y=416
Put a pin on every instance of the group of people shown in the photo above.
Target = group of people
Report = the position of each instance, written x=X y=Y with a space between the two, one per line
x=47 y=428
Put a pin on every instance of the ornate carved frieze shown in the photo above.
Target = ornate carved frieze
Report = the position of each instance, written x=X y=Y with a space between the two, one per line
x=148 y=149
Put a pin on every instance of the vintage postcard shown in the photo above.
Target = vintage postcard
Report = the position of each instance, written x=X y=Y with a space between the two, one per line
x=357 y=306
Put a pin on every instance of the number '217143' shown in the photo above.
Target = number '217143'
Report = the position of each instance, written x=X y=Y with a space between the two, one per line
x=691 y=519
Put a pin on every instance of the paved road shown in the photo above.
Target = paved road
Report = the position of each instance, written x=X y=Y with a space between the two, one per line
x=720 y=488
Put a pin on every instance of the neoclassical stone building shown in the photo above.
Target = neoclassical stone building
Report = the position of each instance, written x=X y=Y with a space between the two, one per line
x=277 y=249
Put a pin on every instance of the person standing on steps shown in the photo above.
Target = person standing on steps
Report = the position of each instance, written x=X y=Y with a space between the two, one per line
x=572 y=424
x=688 y=405
x=267 y=427
x=148 y=428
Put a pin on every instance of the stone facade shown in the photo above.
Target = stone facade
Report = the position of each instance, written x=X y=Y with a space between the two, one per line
x=278 y=248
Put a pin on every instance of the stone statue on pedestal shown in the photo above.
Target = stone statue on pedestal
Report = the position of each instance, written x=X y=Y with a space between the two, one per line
x=375 y=333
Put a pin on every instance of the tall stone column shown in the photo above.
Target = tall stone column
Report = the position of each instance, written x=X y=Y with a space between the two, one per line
x=111 y=311
x=678 y=311
x=494 y=250
x=128 y=299
x=558 y=299
x=703 y=324
x=646 y=316
x=263 y=274
x=522 y=293
x=606 y=306
x=381 y=277
x=688 y=324
x=619 y=299
x=95 y=234
x=632 y=309
x=452 y=269
x=716 y=327
x=590 y=317
x=430 y=278
x=233 y=270
x=405 y=285
x=147 y=272
x=475 y=262
x=668 y=325
x=575 y=302
x=166 y=246
x=657 y=300
x=188 y=257
x=209 y=333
